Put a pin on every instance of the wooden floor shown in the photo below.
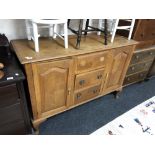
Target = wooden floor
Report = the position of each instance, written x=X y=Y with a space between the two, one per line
x=52 y=49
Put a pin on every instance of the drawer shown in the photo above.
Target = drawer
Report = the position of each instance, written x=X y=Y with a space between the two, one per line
x=139 y=67
x=14 y=128
x=90 y=61
x=87 y=94
x=143 y=56
x=11 y=114
x=8 y=95
x=89 y=79
x=145 y=44
x=135 y=77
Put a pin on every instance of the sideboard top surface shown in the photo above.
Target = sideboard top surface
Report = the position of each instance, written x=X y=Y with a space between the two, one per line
x=53 y=49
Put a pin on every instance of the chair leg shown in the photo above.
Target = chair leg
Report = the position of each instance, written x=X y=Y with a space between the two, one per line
x=35 y=36
x=54 y=31
x=86 y=27
x=131 y=29
x=28 y=32
x=114 y=30
x=79 y=34
x=65 y=35
x=99 y=26
x=51 y=30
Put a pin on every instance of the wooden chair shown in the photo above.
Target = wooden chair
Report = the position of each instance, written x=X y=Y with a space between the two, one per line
x=32 y=26
x=115 y=26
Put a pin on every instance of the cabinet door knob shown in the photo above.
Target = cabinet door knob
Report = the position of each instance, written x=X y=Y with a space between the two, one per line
x=99 y=76
x=81 y=82
x=151 y=53
x=132 y=68
x=102 y=59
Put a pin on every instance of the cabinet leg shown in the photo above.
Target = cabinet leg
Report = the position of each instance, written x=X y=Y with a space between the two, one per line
x=117 y=94
x=36 y=125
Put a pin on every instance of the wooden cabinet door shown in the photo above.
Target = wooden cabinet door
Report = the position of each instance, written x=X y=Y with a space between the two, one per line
x=53 y=83
x=120 y=59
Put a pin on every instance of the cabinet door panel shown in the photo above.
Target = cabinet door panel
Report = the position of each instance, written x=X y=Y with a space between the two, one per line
x=120 y=59
x=52 y=84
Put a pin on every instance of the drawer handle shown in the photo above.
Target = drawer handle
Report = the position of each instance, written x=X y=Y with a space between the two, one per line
x=142 y=35
x=81 y=82
x=99 y=76
x=151 y=53
x=141 y=75
x=94 y=91
x=145 y=64
x=137 y=57
x=128 y=79
x=132 y=68
x=78 y=96
x=102 y=59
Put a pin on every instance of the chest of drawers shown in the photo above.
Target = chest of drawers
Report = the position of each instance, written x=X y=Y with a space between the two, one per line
x=140 y=65
x=14 y=115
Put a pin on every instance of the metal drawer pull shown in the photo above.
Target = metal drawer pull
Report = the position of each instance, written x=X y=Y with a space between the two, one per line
x=132 y=68
x=99 y=76
x=128 y=79
x=141 y=75
x=78 y=96
x=145 y=64
x=81 y=82
x=95 y=91
x=151 y=53
x=137 y=57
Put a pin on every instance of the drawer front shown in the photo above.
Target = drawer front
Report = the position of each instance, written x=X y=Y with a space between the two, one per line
x=135 y=77
x=139 y=67
x=143 y=56
x=86 y=94
x=15 y=128
x=145 y=44
x=90 y=61
x=11 y=114
x=8 y=95
x=89 y=79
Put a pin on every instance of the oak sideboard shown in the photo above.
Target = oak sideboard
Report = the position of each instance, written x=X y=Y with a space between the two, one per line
x=60 y=79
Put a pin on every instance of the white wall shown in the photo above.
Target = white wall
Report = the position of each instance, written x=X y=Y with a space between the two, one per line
x=15 y=28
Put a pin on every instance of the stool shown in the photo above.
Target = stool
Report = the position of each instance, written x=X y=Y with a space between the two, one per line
x=88 y=28
x=34 y=24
